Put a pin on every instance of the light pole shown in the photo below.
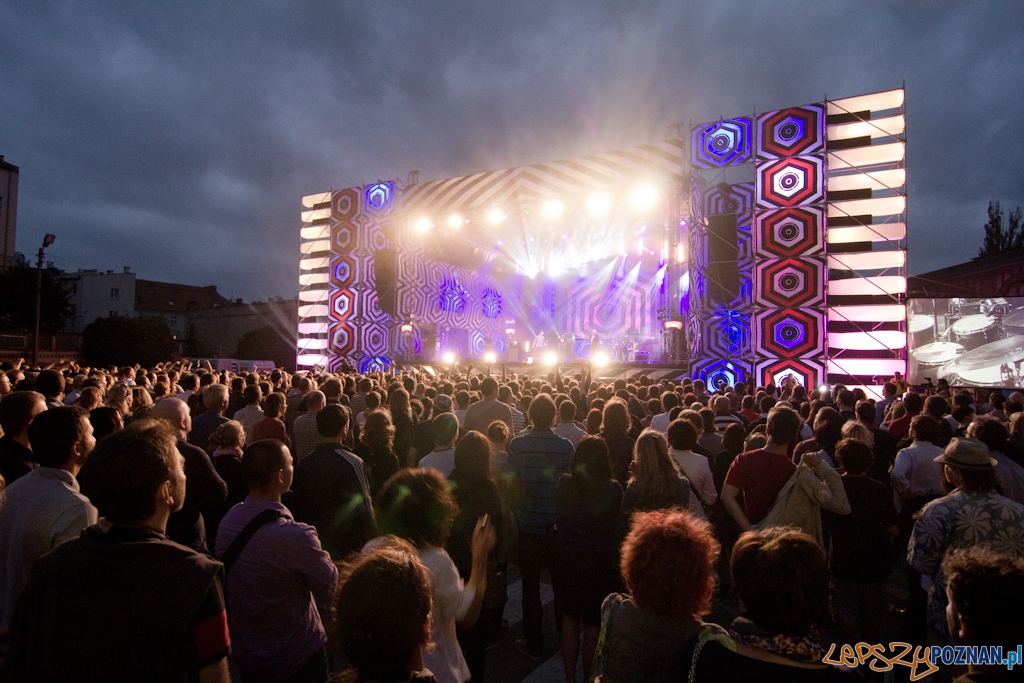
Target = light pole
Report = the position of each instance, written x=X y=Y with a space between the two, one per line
x=47 y=241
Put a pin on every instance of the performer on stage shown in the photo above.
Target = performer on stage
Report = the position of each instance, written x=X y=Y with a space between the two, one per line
x=539 y=342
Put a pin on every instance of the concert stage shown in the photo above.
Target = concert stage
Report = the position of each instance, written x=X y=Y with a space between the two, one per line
x=607 y=373
x=761 y=246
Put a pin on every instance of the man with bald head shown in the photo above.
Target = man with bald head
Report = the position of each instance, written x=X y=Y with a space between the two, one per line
x=203 y=486
x=215 y=400
x=306 y=436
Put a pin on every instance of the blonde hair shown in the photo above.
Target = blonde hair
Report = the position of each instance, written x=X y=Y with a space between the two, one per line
x=653 y=469
x=228 y=434
x=858 y=432
x=119 y=397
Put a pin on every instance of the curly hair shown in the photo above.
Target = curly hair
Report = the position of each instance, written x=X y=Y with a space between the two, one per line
x=383 y=605
x=417 y=505
x=667 y=562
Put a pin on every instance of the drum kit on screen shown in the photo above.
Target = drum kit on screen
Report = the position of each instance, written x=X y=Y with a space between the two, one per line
x=982 y=345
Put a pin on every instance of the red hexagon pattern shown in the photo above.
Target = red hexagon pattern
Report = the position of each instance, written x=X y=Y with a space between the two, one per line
x=789 y=232
x=790 y=182
x=790 y=282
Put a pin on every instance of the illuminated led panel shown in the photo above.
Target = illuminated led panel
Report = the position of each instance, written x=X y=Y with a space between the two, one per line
x=866 y=156
x=311 y=200
x=868 y=260
x=307 y=279
x=889 y=179
x=315 y=246
x=881 y=313
x=315 y=232
x=878 y=232
x=310 y=343
x=315 y=215
x=311 y=359
x=313 y=296
x=858 y=286
x=877 y=206
x=312 y=328
x=315 y=310
x=866 y=366
x=867 y=341
x=311 y=263
x=875 y=128
x=887 y=99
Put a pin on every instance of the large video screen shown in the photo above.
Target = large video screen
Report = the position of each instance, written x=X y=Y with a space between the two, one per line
x=967 y=342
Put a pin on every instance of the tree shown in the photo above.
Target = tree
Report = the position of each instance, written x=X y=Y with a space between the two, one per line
x=125 y=341
x=18 y=299
x=267 y=343
x=1000 y=238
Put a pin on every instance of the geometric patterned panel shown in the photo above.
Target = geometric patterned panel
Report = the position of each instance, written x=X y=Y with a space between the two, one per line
x=342 y=304
x=342 y=340
x=720 y=373
x=380 y=198
x=789 y=232
x=738 y=199
x=722 y=143
x=345 y=204
x=786 y=283
x=790 y=182
x=725 y=335
x=809 y=373
x=343 y=237
x=345 y=271
x=373 y=339
x=790 y=332
x=798 y=131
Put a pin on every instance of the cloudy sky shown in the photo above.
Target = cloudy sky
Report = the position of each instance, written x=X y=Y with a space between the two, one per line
x=177 y=137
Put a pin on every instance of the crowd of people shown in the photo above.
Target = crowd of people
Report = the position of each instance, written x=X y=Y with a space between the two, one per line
x=183 y=523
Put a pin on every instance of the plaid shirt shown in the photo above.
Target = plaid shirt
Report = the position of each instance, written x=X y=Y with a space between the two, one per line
x=305 y=435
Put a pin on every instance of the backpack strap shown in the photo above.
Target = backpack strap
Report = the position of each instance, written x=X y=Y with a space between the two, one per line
x=236 y=547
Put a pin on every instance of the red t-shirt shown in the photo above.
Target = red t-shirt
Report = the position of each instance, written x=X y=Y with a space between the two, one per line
x=899 y=428
x=760 y=475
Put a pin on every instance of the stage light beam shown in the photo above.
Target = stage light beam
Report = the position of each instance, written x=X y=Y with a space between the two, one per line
x=600 y=359
x=495 y=216
x=490 y=357
x=599 y=204
x=550 y=358
x=553 y=208
x=423 y=224
x=644 y=197
x=449 y=358
x=455 y=221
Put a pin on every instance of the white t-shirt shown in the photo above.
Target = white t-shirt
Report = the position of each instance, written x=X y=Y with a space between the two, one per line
x=451 y=601
x=697 y=469
x=442 y=461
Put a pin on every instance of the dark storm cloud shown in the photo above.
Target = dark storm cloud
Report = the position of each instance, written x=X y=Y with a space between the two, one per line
x=177 y=138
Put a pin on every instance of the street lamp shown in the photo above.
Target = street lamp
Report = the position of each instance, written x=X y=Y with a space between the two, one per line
x=47 y=241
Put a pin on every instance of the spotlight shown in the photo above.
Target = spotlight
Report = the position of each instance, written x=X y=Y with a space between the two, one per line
x=449 y=358
x=599 y=203
x=600 y=359
x=490 y=357
x=406 y=328
x=644 y=197
x=495 y=216
x=510 y=331
x=423 y=224
x=455 y=221
x=553 y=208
x=823 y=389
x=550 y=358
x=673 y=324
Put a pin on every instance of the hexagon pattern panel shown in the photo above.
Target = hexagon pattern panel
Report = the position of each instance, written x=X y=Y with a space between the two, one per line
x=724 y=143
x=798 y=131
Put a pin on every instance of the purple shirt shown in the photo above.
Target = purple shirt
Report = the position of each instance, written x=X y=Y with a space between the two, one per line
x=276 y=592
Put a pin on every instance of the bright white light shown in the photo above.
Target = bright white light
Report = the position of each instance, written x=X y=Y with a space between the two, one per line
x=510 y=331
x=490 y=357
x=599 y=203
x=553 y=208
x=449 y=358
x=550 y=358
x=680 y=256
x=554 y=268
x=823 y=388
x=406 y=328
x=644 y=197
x=495 y=216
x=600 y=359
x=423 y=224
x=455 y=221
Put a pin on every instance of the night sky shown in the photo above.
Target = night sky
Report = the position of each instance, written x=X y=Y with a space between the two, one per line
x=177 y=138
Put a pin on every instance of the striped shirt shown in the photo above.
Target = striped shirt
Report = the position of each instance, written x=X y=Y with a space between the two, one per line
x=538 y=459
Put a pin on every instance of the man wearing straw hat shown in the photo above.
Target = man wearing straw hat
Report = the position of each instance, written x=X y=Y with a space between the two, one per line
x=973 y=514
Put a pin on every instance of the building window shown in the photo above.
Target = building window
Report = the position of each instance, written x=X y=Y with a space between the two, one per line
x=115 y=293
x=172 y=321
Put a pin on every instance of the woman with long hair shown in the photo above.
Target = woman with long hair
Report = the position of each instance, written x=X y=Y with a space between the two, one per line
x=615 y=426
x=476 y=495
x=416 y=505
x=375 y=449
x=119 y=397
x=655 y=482
x=271 y=426
x=401 y=416
x=586 y=555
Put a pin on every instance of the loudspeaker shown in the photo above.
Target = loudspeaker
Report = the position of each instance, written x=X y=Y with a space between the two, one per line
x=723 y=270
x=385 y=277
